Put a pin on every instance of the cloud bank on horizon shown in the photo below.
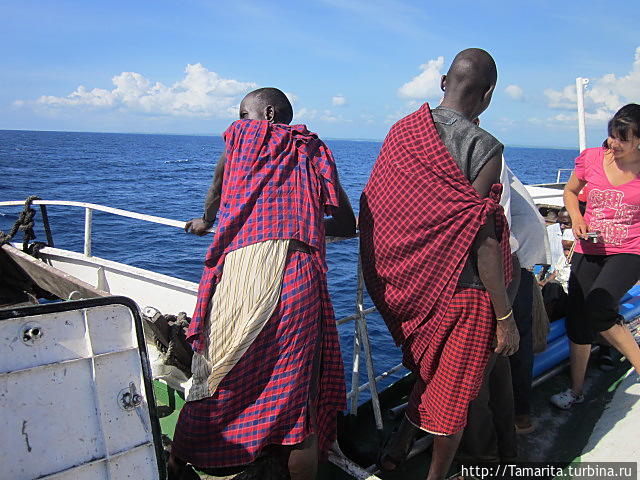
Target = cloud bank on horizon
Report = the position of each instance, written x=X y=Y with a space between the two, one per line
x=203 y=93
x=603 y=96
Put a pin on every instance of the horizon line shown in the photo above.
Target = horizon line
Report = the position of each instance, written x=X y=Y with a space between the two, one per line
x=360 y=139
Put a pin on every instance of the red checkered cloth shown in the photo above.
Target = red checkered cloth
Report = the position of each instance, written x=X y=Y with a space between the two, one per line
x=279 y=182
x=264 y=400
x=419 y=216
x=450 y=362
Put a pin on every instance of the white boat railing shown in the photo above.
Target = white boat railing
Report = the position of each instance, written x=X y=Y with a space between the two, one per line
x=361 y=342
x=88 y=215
x=560 y=170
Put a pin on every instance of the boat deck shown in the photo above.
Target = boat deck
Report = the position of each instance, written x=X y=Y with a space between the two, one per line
x=585 y=433
x=614 y=437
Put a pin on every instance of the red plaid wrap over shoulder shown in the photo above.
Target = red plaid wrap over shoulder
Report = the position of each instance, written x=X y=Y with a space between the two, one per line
x=279 y=182
x=419 y=216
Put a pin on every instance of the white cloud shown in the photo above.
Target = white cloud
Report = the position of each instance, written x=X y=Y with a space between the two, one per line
x=331 y=117
x=603 y=96
x=304 y=114
x=201 y=93
x=328 y=116
x=515 y=92
x=565 y=99
x=426 y=84
x=339 y=100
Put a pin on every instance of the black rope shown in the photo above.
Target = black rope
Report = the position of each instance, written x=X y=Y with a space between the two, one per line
x=25 y=224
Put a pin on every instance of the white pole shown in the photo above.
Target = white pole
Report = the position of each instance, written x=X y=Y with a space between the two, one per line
x=582 y=133
x=88 y=214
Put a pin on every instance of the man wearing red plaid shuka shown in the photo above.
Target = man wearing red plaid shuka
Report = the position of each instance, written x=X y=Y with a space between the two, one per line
x=436 y=257
x=267 y=369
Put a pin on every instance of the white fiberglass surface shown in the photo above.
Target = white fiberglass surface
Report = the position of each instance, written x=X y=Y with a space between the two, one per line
x=62 y=379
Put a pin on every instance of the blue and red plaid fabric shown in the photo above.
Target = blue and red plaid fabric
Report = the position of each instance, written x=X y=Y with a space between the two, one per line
x=419 y=216
x=279 y=182
x=264 y=399
x=450 y=362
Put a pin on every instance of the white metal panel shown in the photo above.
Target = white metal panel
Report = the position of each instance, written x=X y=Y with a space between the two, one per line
x=48 y=421
x=546 y=196
x=112 y=330
x=167 y=294
x=125 y=429
x=62 y=338
x=61 y=414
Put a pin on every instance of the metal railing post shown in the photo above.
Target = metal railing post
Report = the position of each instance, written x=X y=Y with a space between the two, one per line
x=361 y=326
x=581 y=83
x=355 y=370
x=45 y=224
x=88 y=215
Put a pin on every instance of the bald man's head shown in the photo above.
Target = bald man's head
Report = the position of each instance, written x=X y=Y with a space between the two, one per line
x=471 y=79
x=267 y=104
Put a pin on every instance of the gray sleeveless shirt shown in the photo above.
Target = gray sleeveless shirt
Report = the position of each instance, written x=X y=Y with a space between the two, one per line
x=471 y=147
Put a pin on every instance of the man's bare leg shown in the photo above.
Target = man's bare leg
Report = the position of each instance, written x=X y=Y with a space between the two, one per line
x=303 y=459
x=398 y=446
x=444 y=449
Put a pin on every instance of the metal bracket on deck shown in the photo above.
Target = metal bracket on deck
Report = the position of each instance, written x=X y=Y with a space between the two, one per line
x=128 y=399
x=32 y=334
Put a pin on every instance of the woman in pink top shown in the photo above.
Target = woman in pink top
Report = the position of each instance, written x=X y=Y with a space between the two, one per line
x=606 y=263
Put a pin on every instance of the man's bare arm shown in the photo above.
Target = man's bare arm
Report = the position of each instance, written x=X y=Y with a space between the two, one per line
x=490 y=265
x=201 y=226
x=343 y=222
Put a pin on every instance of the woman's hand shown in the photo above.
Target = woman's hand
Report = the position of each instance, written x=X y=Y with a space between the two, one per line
x=571 y=191
x=580 y=227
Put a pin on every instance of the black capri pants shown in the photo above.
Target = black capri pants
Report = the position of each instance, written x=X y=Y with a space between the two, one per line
x=596 y=285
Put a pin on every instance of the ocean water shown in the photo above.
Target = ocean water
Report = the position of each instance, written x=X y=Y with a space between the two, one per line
x=168 y=176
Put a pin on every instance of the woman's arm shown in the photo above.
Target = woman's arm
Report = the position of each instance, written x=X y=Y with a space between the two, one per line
x=570 y=195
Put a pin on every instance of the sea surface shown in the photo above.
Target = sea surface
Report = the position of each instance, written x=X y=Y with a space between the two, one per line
x=168 y=176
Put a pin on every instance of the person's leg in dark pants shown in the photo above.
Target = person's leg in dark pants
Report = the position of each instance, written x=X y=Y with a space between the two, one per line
x=502 y=407
x=522 y=360
x=555 y=300
x=596 y=285
x=479 y=442
x=619 y=273
x=490 y=433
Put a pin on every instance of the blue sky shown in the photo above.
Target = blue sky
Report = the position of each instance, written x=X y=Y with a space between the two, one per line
x=351 y=67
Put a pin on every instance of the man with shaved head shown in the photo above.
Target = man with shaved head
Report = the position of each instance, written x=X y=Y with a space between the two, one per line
x=436 y=257
x=267 y=369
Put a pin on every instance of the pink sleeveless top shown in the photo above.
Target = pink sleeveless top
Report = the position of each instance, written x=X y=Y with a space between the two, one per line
x=613 y=211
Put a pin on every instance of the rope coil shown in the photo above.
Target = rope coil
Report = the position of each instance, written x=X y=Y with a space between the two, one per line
x=24 y=223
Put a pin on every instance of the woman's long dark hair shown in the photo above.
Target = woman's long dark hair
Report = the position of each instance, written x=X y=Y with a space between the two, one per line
x=626 y=121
